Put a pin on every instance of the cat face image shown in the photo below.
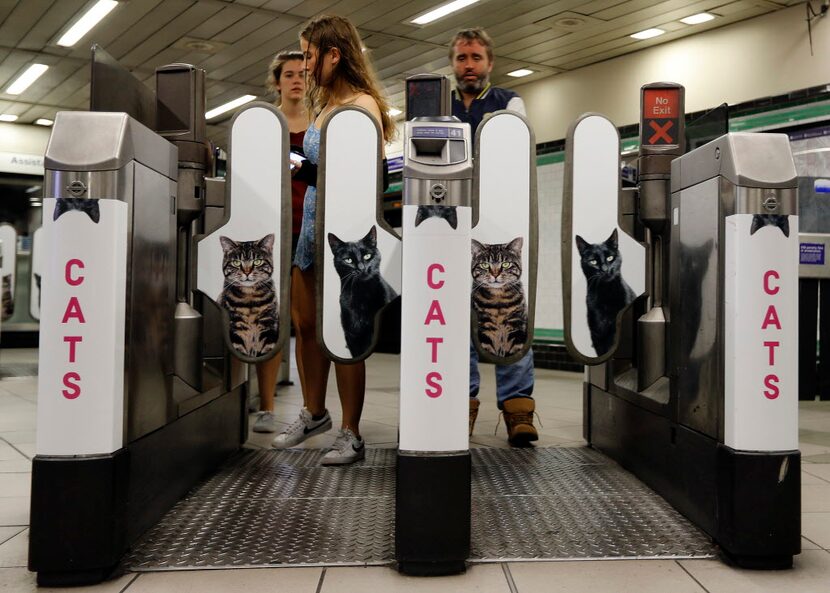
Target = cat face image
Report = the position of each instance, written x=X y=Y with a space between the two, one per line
x=497 y=265
x=87 y=206
x=356 y=259
x=601 y=262
x=448 y=213
x=247 y=263
x=760 y=221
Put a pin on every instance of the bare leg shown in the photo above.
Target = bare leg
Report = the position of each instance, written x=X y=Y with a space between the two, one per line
x=266 y=374
x=351 y=384
x=313 y=364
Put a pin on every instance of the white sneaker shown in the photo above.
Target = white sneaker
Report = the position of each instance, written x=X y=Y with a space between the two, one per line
x=301 y=429
x=265 y=422
x=347 y=448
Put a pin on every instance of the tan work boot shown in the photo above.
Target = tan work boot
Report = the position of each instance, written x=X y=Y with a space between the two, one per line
x=474 y=403
x=518 y=416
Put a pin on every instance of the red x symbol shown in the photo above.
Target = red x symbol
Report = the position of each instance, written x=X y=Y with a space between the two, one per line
x=660 y=132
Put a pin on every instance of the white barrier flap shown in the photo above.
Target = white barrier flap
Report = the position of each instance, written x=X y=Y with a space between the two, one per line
x=761 y=332
x=82 y=327
x=435 y=330
x=504 y=239
x=361 y=257
x=8 y=270
x=37 y=273
x=244 y=265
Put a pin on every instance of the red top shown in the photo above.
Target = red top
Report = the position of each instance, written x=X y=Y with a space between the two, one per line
x=297 y=189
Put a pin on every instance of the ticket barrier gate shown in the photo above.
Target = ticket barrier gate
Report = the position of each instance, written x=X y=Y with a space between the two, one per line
x=694 y=387
x=138 y=397
x=813 y=300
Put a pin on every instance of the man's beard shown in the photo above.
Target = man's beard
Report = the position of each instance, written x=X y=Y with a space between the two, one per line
x=472 y=86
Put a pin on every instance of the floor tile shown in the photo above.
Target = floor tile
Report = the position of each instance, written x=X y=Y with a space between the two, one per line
x=631 y=576
x=15 y=485
x=14 y=553
x=9 y=453
x=820 y=470
x=6 y=533
x=811 y=574
x=815 y=499
x=20 y=580
x=18 y=436
x=255 y=580
x=807 y=477
x=479 y=578
x=806 y=544
x=816 y=526
x=14 y=511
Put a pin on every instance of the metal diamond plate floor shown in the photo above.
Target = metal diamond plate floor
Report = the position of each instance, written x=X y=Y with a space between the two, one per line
x=281 y=508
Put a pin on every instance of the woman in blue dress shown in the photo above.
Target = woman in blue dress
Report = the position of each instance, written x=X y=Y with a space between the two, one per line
x=338 y=73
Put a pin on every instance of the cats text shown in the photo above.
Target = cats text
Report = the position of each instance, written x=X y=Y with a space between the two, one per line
x=433 y=379
x=73 y=313
x=771 y=319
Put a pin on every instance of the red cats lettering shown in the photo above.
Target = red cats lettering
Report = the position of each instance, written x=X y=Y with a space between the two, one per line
x=434 y=315
x=73 y=315
x=771 y=320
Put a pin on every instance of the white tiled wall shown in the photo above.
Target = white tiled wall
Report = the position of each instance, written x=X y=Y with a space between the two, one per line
x=549 y=277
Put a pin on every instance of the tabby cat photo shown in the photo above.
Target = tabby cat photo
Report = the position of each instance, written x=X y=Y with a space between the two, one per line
x=363 y=290
x=498 y=296
x=608 y=293
x=249 y=295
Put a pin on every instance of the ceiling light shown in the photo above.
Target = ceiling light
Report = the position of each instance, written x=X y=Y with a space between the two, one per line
x=647 y=34
x=394 y=111
x=441 y=11
x=83 y=25
x=31 y=74
x=33 y=189
x=229 y=105
x=7 y=117
x=520 y=72
x=44 y=122
x=36 y=204
x=698 y=18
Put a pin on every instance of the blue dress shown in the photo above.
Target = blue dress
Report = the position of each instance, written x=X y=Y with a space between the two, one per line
x=304 y=257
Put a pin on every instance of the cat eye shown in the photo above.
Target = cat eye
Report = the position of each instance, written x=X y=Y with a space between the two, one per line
x=484 y=265
x=348 y=260
x=258 y=262
x=609 y=258
x=367 y=257
x=593 y=262
x=236 y=263
x=506 y=264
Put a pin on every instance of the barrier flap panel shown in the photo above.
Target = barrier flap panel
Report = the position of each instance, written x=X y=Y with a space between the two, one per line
x=82 y=327
x=8 y=270
x=603 y=268
x=761 y=332
x=358 y=255
x=435 y=318
x=504 y=242
x=37 y=273
x=244 y=264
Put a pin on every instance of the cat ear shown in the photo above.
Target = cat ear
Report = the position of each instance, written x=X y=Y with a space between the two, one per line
x=581 y=244
x=334 y=242
x=372 y=236
x=227 y=244
x=516 y=245
x=612 y=240
x=267 y=242
x=477 y=247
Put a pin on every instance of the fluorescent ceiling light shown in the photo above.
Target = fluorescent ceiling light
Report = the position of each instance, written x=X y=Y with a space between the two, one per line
x=83 y=25
x=647 y=34
x=31 y=74
x=36 y=204
x=441 y=11
x=32 y=190
x=394 y=111
x=520 y=72
x=229 y=105
x=44 y=122
x=698 y=18
x=7 y=117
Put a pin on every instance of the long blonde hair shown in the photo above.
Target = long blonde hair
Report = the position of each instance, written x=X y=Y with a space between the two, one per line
x=327 y=32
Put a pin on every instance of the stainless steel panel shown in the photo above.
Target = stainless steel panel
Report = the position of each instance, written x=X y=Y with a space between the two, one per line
x=281 y=508
x=96 y=185
x=425 y=192
x=695 y=301
x=110 y=141
x=151 y=283
x=754 y=200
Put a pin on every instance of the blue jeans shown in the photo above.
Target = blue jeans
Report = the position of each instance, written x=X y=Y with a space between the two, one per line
x=512 y=380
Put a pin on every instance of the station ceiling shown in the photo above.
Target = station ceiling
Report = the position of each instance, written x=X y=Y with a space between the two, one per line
x=234 y=40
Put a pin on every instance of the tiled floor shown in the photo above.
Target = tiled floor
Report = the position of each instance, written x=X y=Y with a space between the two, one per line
x=559 y=404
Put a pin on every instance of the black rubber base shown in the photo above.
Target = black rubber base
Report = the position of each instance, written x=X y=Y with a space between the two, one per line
x=749 y=503
x=432 y=514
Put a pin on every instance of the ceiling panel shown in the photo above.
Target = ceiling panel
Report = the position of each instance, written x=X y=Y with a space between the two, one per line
x=146 y=34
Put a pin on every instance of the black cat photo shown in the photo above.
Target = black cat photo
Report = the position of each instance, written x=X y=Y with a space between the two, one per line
x=446 y=212
x=363 y=291
x=249 y=295
x=607 y=291
x=759 y=221
x=87 y=206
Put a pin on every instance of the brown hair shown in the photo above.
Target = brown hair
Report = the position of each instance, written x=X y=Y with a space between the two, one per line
x=272 y=81
x=475 y=34
x=327 y=32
